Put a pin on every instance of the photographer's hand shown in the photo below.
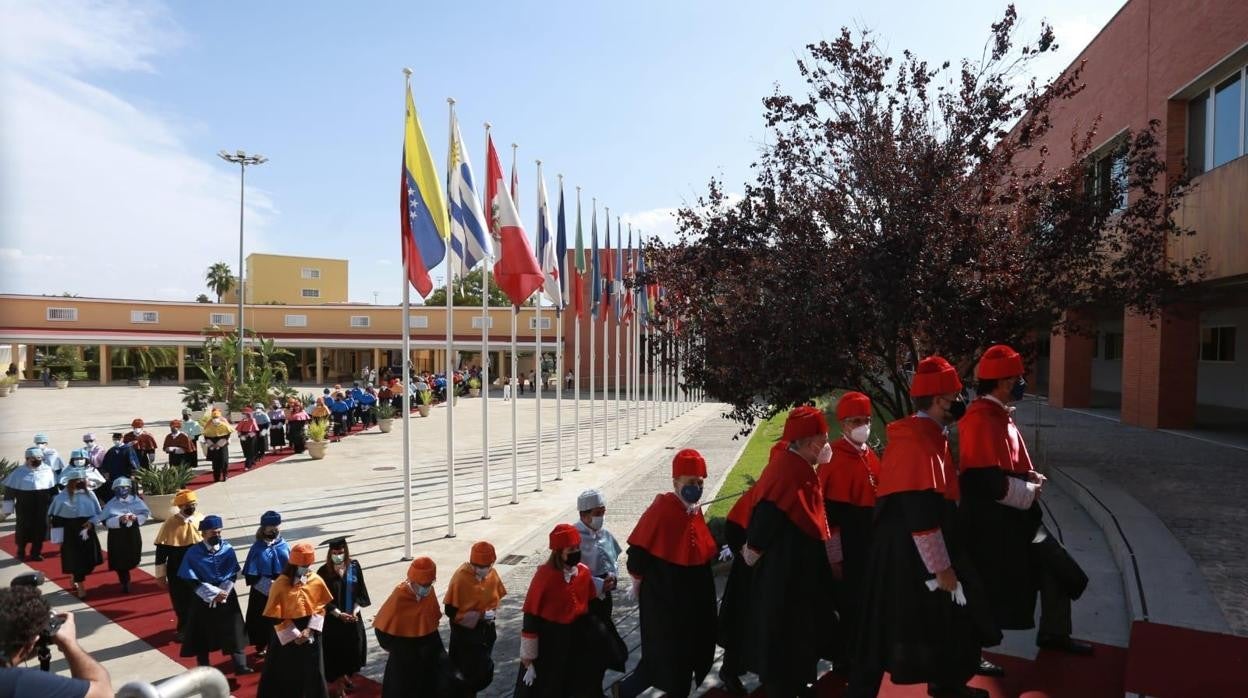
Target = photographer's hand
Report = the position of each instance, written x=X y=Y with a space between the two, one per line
x=81 y=665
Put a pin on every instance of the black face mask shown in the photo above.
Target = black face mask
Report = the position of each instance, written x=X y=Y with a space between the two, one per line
x=270 y=535
x=957 y=409
x=572 y=559
x=188 y=511
x=1019 y=389
x=213 y=541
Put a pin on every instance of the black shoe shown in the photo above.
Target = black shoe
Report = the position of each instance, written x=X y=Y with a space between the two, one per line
x=179 y=637
x=731 y=683
x=125 y=587
x=37 y=557
x=1064 y=643
x=956 y=692
x=987 y=668
x=243 y=670
x=21 y=555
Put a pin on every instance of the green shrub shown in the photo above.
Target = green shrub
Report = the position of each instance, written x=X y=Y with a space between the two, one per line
x=385 y=411
x=163 y=479
x=317 y=429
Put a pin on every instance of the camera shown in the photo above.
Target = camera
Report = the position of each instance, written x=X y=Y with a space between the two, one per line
x=53 y=624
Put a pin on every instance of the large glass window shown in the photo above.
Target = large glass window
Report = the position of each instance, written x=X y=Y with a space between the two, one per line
x=1228 y=103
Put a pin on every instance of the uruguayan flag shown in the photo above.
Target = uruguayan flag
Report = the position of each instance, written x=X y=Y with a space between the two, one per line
x=470 y=241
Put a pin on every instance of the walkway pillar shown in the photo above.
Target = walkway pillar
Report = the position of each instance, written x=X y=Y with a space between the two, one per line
x=106 y=365
x=181 y=365
x=1159 y=364
x=29 y=367
x=320 y=379
x=1070 y=362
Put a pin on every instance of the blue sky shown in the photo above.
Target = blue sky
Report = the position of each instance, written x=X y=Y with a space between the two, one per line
x=114 y=112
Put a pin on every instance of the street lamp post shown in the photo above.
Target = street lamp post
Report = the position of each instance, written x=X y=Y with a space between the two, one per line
x=243 y=160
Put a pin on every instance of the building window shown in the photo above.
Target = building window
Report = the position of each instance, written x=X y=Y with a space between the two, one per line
x=418 y=322
x=533 y=323
x=1217 y=344
x=296 y=320
x=63 y=314
x=1107 y=179
x=310 y=292
x=476 y=323
x=1217 y=130
x=1113 y=346
x=310 y=273
x=361 y=321
x=221 y=319
x=144 y=316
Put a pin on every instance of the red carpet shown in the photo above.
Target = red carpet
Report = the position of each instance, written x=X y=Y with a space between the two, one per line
x=146 y=612
x=1157 y=649
x=1051 y=675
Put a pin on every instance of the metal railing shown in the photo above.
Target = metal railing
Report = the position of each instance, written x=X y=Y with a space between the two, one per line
x=201 y=681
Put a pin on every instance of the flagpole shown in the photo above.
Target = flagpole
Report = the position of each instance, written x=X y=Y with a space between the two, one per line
x=537 y=374
x=649 y=367
x=576 y=354
x=407 y=395
x=450 y=364
x=617 y=307
x=628 y=382
x=636 y=361
x=592 y=358
x=485 y=372
x=606 y=356
x=559 y=355
x=515 y=366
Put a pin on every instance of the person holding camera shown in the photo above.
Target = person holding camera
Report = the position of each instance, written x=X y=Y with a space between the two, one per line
x=27 y=626
x=28 y=490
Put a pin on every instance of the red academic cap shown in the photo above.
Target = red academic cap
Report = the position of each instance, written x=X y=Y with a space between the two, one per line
x=935 y=376
x=564 y=536
x=688 y=462
x=853 y=404
x=1000 y=361
x=803 y=422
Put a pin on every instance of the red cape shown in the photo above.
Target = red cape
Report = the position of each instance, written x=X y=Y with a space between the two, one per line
x=669 y=532
x=917 y=458
x=790 y=483
x=988 y=438
x=551 y=598
x=848 y=476
x=740 y=512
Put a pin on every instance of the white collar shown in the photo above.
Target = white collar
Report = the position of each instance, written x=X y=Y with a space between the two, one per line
x=1009 y=409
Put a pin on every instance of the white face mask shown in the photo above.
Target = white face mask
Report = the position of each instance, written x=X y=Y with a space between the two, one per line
x=420 y=591
x=338 y=559
x=480 y=572
x=859 y=435
x=825 y=453
x=138 y=431
x=595 y=522
x=301 y=571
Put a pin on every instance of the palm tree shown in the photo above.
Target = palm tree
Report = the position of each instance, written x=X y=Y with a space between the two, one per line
x=220 y=279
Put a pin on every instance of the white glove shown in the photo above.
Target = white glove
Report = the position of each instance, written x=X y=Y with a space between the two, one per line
x=725 y=554
x=530 y=675
x=84 y=534
x=634 y=591
x=750 y=555
x=958 y=595
x=488 y=615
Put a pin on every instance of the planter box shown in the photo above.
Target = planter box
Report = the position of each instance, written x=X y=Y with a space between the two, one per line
x=4 y=391
x=474 y=392
x=160 y=504
x=144 y=382
x=61 y=385
x=424 y=410
x=385 y=425
x=316 y=449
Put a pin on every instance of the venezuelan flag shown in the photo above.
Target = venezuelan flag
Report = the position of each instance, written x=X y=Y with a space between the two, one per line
x=422 y=206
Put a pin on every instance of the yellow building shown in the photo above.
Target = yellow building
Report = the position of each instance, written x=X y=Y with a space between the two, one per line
x=287 y=280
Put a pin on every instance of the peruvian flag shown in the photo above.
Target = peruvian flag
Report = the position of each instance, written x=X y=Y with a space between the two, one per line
x=516 y=271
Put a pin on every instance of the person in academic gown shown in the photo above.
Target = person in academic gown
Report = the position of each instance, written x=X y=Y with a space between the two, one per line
x=143 y=442
x=214 y=620
x=28 y=490
x=262 y=429
x=340 y=409
x=294 y=667
x=194 y=430
x=1000 y=514
x=248 y=437
x=122 y=515
x=51 y=457
x=95 y=452
x=471 y=602
x=793 y=622
x=344 y=649
x=734 y=607
x=297 y=426
x=265 y=561
x=176 y=536
x=72 y=518
x=78 y=459
x=600 y=552
x=178 y=444
x=849 y=482
x=923 y=606
x=560 y=655
x=670 y=553
x=217 y=432
x=277 y=426
x=407 y=628
x=121 y=460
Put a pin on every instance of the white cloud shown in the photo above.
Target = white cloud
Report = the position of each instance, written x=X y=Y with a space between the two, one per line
x=656 y=223
x=94 y=181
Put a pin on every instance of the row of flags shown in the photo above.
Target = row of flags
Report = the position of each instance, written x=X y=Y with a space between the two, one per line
x=473 y=232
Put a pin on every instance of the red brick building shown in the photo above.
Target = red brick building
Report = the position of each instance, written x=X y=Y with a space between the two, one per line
x=1184 y=64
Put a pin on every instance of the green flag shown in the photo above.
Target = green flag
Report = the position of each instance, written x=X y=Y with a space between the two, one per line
x=580 y=238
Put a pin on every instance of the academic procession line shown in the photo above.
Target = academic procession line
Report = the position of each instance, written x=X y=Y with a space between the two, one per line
x=457 y=227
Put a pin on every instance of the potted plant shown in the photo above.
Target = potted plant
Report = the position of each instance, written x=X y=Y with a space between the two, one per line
x=385 y=417
x=159 y=484
x=195 y=397
x=62 y=379
x=7 y=384
x=64 y=364
x=318 y=429
x=144 y=380
x=474 y=387
x=424 y=401
x=6 y=466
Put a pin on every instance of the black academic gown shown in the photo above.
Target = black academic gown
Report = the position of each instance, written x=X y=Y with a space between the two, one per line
x=78 y=557
x=118 y=461
x=417 y=666
x=218 y=627
x=293 y=670
x=180 y=591
x=677 y=621
x=734 y=607
x=298 y=437
x=344 y=649
x=125 y=548
x=31 y=509
x=855 y=523
x=997 y=538
x=915 y=634
x=792 y=616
